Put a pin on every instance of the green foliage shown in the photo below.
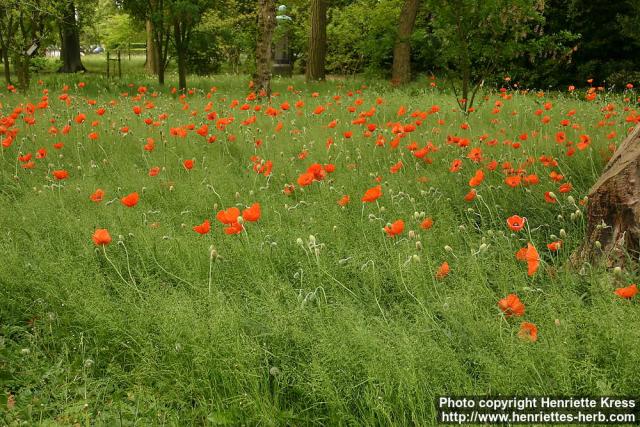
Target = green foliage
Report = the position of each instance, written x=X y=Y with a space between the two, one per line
x=362 y=36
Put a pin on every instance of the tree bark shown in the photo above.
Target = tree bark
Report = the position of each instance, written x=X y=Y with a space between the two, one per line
x=71 y=62
x=401 y=70
x=613 y=218
x=151 y=64
x=266 y=27
x=179 y=36
x=5 y=61
x=317 y=41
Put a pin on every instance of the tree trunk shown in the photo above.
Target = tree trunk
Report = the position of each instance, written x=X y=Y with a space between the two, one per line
x=401 y=70
x=151 y=64
x=71 y=62
x=613 y=218
x=317 y=41
x=181 y=47
x=5 y=61
x=266 y=27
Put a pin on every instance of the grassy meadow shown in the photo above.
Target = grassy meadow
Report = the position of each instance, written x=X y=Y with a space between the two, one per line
x=312 y=313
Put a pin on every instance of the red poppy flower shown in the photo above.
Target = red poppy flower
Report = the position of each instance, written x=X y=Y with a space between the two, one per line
x=97 y=196
x=554 y=246
x=130 y=200
x=515 y=222
x=627 y=292
x=471 y=195
x=426 y=224
x=372 y=194
x=528 y=332
x=60 y=174
x=511 y=305
x=252 y=214
x=203 y=228
x=443 y=270
x=344 y=200
x=532 y=258
x=101 y=237
x=394 y=229
x=188 y=164
x=228 y=216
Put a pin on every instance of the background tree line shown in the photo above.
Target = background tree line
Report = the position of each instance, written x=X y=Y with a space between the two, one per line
x=538 y=43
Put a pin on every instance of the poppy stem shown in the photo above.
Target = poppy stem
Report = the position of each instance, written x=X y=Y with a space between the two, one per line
x=210 y=271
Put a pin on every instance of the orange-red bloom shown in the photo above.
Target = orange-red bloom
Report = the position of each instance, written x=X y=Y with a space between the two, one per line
x=443 y=270
x=101 y=237
x=372 y=194
x=203 y=228
x=426 y=223
x=627 y=292
x=515 y=222
x=394 y=229
x=228 y=216
x=97 y=196
x=60 y=174
x=511 y=305
x=130 y=200
x=252 y=214
x=528 y=332
x=533 y=259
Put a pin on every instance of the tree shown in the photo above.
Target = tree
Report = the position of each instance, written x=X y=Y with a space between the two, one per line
x=157 y=12
x=185 y=15
x=8 y=26
x=317 y=41
x=22 y=27
x=613 y=229
x=70 y=40
x=481 y=37
x=266 y=27
x=401 y=70
x=151 y=64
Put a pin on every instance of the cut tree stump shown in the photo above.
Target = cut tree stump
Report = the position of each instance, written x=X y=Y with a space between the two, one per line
x=614 y=209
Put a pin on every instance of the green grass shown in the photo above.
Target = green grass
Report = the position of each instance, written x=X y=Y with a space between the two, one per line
x=151 y=330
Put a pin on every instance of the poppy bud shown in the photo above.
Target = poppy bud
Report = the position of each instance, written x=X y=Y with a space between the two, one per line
x=490 y=233
x=415 y=258
x=240 y=220
x=598 y=244
x=617 y=271
x=416 y=215
x=553 y=237
x=412 y=234
x=171 y=188
x=552 y=195
x=299 y=241
x=312 y=240
x=419 y=245
x=560 y=218
x=578 y=213
x=237 y=195
x=557 y=322
x=382 y=209
x=563 y=233
x=571 y=200
x=483 y=248
x=462 y=228
x=448 y=248
x=573 y=216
